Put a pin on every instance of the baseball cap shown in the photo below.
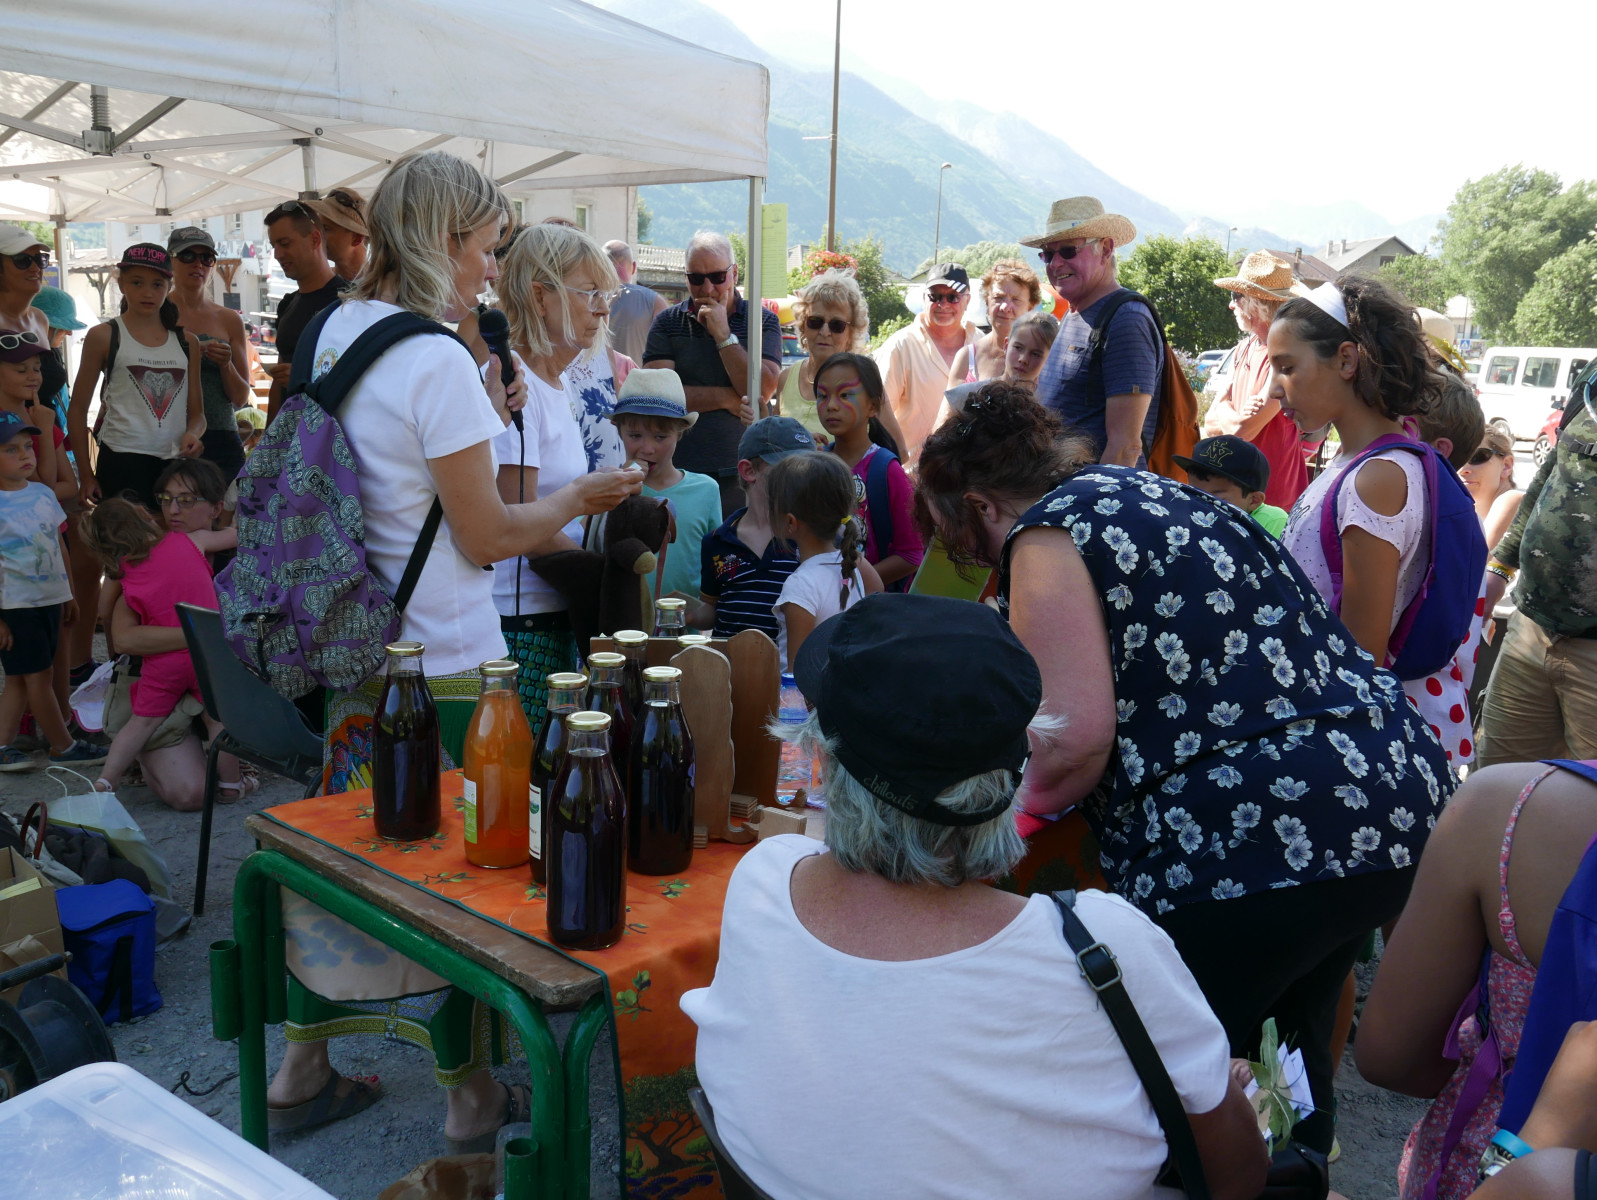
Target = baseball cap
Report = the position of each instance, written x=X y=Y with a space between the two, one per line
x=147 y=254
x=774 y=438
x=15 y=240
x=58 y=308
x=19 y=346
x=1232 y=458
x=950 y=275
x=919 y=693
x=11 y=425
x=653 y=392
x=188 y=236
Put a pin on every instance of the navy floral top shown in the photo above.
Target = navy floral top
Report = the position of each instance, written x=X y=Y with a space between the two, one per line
x=1258 y=745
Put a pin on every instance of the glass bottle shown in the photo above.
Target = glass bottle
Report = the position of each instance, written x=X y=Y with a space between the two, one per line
x=549 y=755
x=660 y=779
x=685 y=640
x=587 y=841
x=607 y=694
x=405 y=750
x=498 y=769
x=669 y=620
x=633 y=644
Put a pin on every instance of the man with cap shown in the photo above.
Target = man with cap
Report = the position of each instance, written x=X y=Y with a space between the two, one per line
x=1237 y=472
x=299 y=243
x=633 y=310
x=1113 y=403
x=916 y=360
x=953 y=1010
x=742 y=565
x=343 y=215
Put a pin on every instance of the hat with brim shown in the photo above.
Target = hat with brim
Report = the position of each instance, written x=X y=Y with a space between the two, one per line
x=653 y=392
x=14 y=239
x=21 y=345
x=58 y=308
x=1080 y=218
x=187 y=238
x=342 y=215
x=12 y=426
x=147 y=254
x=1263 y=276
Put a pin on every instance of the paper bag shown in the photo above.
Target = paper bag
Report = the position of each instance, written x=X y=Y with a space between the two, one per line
x=103 y=813
x=459 y=1177
x=29 y=927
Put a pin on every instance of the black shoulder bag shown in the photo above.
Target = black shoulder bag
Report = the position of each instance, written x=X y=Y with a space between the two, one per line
x=1296 y=1172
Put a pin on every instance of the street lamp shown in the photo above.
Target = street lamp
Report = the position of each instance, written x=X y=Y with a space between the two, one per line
x=1228 y=241
x=937 y=234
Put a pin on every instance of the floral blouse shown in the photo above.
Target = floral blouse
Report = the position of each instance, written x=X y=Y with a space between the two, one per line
x=1258 y=745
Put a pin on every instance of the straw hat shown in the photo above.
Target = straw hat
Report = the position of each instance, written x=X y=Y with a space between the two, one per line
x=344 y=207
x=1262 y=276
x=1082 y=217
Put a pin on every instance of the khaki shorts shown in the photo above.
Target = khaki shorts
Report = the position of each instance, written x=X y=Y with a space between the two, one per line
x=1542 y=698
x=119 y=707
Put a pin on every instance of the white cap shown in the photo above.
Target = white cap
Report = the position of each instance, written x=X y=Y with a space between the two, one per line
x=15 y=240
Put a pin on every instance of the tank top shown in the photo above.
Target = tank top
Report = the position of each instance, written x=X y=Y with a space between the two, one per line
x=145 y=398
x=213 y=392
x=796 y=406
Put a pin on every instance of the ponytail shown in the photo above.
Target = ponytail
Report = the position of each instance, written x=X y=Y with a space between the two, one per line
x=169 y=318
x=880 y=437
x=850 y=548
x=817 y=491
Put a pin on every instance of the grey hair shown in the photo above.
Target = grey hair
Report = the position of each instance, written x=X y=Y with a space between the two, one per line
x=839 y=288
x=708 y=239
x=867 y=835
x=618 y=251
x=1257 y=308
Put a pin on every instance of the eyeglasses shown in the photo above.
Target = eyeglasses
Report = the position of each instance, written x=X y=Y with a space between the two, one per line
x=598 y=301
x=944 y=297
x=1483 y=456
x=10 y=341
x=192 y=255
x=183 y=502
x=836 y=324
x=700 y=278
x=1065 y=252
x=24 y=261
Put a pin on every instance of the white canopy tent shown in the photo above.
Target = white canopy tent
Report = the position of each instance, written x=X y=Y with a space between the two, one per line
x=166 y=109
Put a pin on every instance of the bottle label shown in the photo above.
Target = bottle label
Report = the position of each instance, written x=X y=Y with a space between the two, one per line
x=469 y=812
x=534 y=821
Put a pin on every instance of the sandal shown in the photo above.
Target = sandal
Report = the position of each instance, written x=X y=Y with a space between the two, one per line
x=327 y=1106
x=518 y=1107
x=232 y=793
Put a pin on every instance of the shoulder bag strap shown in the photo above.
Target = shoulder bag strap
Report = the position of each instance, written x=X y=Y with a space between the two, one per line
x=665 y=548
x=1101 y=970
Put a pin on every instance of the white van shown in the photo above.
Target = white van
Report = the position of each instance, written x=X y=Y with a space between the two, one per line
x=1522 y=384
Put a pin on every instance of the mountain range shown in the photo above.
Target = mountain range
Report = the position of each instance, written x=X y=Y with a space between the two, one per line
x=894 y=137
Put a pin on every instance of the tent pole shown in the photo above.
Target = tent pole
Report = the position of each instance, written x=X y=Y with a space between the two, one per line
x=751 y=287
x=307 y=158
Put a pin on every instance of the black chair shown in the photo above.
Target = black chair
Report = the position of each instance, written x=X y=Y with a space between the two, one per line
x=735 y=1185
x=258 y=725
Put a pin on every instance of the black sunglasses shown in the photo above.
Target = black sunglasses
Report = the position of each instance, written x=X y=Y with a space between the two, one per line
x=24 y=261
x=1482 y=456
x=700 y=278
x=1065 y=252
x=193 y=255
x=339 y=196
x=290 y=208
x=944 y=297
x=836 y=324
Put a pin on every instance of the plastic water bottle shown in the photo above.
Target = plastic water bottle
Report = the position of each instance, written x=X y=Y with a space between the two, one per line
x=795 y=778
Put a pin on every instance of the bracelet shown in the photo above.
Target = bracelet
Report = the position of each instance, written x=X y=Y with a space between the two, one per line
x=1505 y=1148
x=1506 y=574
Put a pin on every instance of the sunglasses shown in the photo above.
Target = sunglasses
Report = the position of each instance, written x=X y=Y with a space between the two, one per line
x=1479 y=459
x=10 y=341
x=836 y=324
x=24 y=261
x=700 y=278
x=344 y=198
x=1065 y=252
x=207 y=257
x=290 y=208
x=183 y=502
x=944 y=297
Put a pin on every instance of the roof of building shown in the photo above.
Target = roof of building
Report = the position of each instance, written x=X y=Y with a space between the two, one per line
x=1340 y=253
x=1305 y=267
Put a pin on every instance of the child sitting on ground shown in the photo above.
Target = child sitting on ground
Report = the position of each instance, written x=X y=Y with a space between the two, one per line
x=743 y=567
x=1236 y=471
x=809 y=498
x=651 y=414
x=35 y=602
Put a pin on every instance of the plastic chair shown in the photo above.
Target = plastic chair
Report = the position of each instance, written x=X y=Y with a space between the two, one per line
x=258 y=725
x=735 y=1185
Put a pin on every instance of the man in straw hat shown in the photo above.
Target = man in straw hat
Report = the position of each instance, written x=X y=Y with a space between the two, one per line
x=1260 y=286
x=1113 y=400
x=344 y=233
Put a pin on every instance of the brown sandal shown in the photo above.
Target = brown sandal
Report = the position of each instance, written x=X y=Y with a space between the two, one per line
x=327 y=1106
x=518 y=1107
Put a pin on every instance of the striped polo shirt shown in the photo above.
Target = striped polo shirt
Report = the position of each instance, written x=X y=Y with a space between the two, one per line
x=743 y=585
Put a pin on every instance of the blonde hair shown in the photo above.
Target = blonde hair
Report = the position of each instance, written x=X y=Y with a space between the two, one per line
x=426 y=200
x=548 y=254
x=839 y=288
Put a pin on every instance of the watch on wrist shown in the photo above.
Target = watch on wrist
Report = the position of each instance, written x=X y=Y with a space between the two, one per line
x=729 y=340
x=1504 y=1148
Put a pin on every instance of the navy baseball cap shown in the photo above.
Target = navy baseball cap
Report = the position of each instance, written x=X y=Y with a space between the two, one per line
x=11 y=425
x=1231 y=458
x=774 y=438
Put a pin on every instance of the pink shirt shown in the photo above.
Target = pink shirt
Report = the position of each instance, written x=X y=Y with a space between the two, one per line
x=1278 y=439
x=901 y=499
x=175 y=573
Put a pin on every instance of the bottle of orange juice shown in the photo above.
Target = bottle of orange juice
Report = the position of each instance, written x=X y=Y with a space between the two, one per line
x=498 y=772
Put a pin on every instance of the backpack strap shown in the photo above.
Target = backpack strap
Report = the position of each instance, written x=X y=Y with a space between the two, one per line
x=110 y=354
x=877 y=502
x=1096 y=390
x=1101 y=970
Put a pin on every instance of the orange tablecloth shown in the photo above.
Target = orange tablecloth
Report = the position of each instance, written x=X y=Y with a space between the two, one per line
x=671 y=944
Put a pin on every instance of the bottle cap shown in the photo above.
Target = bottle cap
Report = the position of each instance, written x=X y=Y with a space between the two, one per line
x=671 y=603
x=693 y=639
x=629 y=637
x=404 y=649
x=588 y=722
x=607 y=658
x=499 y=666
x=568 y=679
x=661 y=674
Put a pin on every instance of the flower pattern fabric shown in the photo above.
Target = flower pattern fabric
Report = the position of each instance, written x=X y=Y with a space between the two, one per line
x=1258 y=745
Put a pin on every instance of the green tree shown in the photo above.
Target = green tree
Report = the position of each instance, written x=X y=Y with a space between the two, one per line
x=1424 y=281
x=978 y=257
x=42 y=230
x=883 y=297
x=1499 y=231
x=645 y=219
x=1178 y=276
x=1561 y=307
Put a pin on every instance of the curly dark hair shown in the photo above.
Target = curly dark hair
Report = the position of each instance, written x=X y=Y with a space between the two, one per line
x=1003 y=443
x=1397 y=374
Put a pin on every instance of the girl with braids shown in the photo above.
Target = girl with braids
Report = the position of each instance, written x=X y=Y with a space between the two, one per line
x=151 y=407
x=811 y=498
x=1258 y=786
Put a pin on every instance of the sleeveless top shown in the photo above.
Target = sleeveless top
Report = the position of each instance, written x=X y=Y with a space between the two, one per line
x=213 y=393
x=145 y=399
x=1508 y=986
x=1257 y=745
x=796 y=406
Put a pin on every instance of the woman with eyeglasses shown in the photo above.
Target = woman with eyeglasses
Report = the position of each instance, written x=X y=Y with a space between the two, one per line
x=1009 y=290
x=224 y=361
x=1489 y=476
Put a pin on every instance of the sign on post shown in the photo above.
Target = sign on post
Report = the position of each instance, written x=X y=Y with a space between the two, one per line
x=773 y=251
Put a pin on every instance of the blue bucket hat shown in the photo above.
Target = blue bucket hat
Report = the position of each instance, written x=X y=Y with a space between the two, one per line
x=59 y=308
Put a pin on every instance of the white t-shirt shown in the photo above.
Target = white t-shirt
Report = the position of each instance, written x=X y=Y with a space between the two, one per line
x=554 y=447
x=814 y=587
x=422 y=399
x=992 y=1071
x=32 y=571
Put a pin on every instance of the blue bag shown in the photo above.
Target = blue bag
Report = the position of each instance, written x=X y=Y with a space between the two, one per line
x=109 y=929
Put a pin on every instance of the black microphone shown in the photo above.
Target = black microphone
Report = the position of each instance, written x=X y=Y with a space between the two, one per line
x=495 y=331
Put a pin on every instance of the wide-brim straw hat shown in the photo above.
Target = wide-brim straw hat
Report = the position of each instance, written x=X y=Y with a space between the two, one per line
x=1082 y=217
x=1262 y=276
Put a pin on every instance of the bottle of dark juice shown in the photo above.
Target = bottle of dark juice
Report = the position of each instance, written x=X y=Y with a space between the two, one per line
x=660 y=779
x=587 y=840
x=607 y=693
x=548 y=756
x=405 y=750
x=669 y=617
x=633 y=645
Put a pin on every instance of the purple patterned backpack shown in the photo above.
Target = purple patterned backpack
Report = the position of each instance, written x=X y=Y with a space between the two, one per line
x=299 y=605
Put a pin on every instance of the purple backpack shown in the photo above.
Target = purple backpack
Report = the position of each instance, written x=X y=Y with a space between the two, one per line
x=1436 y=622
x=300 y=607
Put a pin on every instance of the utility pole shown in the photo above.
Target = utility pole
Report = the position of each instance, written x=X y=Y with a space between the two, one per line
x=937 y=234
x=831 y=187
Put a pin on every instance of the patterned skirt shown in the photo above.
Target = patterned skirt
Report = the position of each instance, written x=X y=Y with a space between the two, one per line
x=543 y=644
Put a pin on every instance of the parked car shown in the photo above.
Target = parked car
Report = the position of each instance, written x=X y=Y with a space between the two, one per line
x=1209 y=359
x=1518 y=384
x=1547 y=439
x=792 y=351
x=1219 y=377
